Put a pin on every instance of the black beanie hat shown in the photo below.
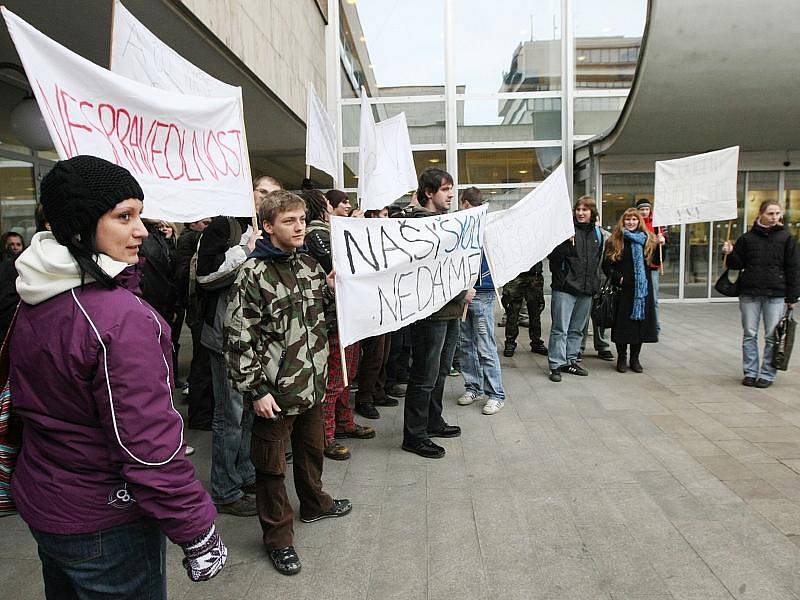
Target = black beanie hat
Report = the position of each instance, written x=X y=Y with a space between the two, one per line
x=643 y=203
x=80 y=190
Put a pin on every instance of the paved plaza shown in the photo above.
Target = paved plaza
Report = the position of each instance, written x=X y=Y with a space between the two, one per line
x=678 y=483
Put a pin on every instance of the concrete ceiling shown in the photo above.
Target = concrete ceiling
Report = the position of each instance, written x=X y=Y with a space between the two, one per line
x=275 y=135
x=713 y=73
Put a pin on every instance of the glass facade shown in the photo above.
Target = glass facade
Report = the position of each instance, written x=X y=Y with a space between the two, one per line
x=481 y=82
x=693 y=256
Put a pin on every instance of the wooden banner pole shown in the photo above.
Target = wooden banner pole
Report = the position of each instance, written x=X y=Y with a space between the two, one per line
x=727 y=239
x=660 y=252
x=345 y=378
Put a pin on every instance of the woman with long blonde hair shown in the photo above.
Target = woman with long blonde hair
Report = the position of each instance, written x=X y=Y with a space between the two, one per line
x=628 y=252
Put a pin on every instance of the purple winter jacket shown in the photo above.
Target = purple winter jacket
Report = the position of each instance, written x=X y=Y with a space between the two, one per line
x=102 y=443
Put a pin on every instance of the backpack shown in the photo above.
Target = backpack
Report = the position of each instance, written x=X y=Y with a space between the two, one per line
x=234 y=236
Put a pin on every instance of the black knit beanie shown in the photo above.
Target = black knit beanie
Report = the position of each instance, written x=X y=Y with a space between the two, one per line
x=80 y=190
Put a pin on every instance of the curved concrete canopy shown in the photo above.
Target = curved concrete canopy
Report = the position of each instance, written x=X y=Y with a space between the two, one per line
x=713 y=73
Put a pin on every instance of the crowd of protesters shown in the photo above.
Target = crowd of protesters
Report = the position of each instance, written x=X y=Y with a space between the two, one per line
x=105 y=295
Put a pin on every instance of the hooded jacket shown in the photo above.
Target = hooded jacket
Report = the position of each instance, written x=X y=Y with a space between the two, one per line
x=769 y=261
x=90 y=377
x=276 y=340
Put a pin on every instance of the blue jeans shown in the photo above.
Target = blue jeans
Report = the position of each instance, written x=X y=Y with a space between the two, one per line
x=480 y=364
x=655 y=279
x=232 y=427
x=127 y=561
x=753 y=308
x=569 y=315
x=433 y=345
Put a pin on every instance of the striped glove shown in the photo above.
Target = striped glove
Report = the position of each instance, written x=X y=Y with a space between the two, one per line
x=205 y=556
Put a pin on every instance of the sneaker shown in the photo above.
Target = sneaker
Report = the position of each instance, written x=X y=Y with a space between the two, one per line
x=749 y=381
x=763 y=383
x=368 y=411
x=555 y=375
x=492 y=407
x=574 y=369
x=339 y=508
x=189 y=450
x=425 y=449
x=396 y=391
x=454 y=372
x=185 y=390
x=243 y=507
x=605 y=355
x=385 y=401
x=285 y=560
x=335 y=451
x=467 y=399
x=509 y=348
x=359 y=432
x=447 y=431
x=539 y=348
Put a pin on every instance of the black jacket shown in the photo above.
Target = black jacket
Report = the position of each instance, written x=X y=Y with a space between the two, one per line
x=574 y=265
x=186 y=248
x=769 y=262
x=158 y=273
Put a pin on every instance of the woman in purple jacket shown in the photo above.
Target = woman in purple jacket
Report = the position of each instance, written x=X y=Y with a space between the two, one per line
x=102 y=474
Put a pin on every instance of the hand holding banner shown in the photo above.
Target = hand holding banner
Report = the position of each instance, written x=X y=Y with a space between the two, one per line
x=392 y=272
x=519 y=237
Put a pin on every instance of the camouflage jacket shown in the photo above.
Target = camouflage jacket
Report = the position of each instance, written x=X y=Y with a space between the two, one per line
x=275 y=336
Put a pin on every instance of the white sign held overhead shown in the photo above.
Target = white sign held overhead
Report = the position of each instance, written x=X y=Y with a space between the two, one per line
x=522 y=235
x=320 y=136
x=397 y=271
x=187 y=152
x=387 y=171
x=138 y=54
x=697 y=188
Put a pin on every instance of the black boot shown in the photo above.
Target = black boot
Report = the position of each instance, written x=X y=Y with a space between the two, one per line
x=509 y=348
x=636 y=366
x=622 y=358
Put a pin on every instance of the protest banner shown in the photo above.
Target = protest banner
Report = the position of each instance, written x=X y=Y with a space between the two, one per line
x=392 y=272
x=138 y=54
x=522 y=235
x=187 y=152
x=697 y=188
x=387 y=171
x=320 y=136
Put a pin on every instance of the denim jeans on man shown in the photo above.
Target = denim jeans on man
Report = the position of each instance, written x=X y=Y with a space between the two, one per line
x=126 y=561
x=480 y=363
x=569 y=315
x=752 y=308
x=433 y=345
x=231 y=468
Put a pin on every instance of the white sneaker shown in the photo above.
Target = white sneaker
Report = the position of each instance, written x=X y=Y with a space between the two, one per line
x=189 y=450
x=467 y=399
x=492 y=407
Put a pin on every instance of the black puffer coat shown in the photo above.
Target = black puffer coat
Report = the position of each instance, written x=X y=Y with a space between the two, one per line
x=769 y=262
x=574 y=265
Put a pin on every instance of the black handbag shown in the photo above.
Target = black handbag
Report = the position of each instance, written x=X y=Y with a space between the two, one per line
x=783 y=341
x=725 y=286
x=604 y=306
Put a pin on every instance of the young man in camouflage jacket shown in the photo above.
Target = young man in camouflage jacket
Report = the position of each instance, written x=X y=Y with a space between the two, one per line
x=277 y=349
